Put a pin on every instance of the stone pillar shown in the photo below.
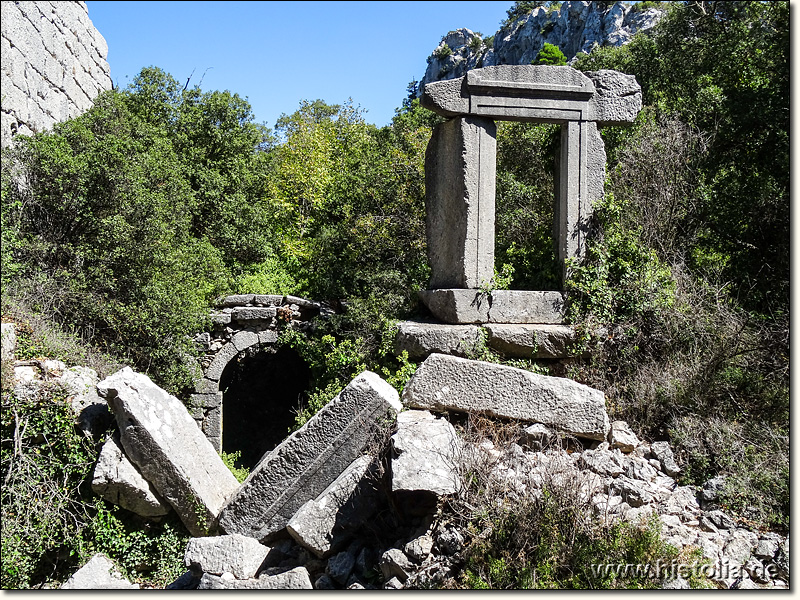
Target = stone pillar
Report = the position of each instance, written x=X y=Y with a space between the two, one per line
x=460 y=165
x=580 y=180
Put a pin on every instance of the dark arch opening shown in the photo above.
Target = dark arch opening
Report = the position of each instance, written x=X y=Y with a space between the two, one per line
x=262 y=387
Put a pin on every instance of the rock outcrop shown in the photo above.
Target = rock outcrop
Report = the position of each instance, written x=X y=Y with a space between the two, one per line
x=53 y=66
x=575 y=27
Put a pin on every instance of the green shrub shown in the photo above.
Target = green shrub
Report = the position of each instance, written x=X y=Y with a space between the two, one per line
x=550 y=54
x=443 y=52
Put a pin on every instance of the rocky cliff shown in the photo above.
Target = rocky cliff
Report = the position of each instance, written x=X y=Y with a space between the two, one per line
x=574 y=27
x=53 y=65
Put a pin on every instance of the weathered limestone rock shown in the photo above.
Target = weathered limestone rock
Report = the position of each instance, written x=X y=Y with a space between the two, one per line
x=426 y=454
x=530 y=341
x=99 y=573
x=459 y=306
x=663 y=453
x=622 y=437
x=162 y=439
x=617 y=99
x=422 y=339
x=451 y=383
x=118 y=481
x=459 y=202
x=394 y=563
x=236 y=554
x=92 y=413
x=310 y=459
x=8 y=341
x=272 y=579
x=322 y=524
x=340 y=566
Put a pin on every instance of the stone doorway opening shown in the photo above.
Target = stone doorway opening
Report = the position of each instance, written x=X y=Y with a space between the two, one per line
x=262 y=388
x=526 y=231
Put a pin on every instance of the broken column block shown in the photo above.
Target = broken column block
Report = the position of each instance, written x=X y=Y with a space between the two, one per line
x=445 y=383
x=163 y=441
x=310 y=459
x=322 y=525
x=117 y=480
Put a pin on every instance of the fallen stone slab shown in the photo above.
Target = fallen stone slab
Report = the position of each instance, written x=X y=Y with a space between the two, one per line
x=322 y=525
x=445 y=383
x=310 y=459
x=464 y=306
x=163 y=441
x=235 y=554
x=530 y=340
x=422 y=339
x=426 y=454
x=272 y=579
x=100 y=573
x=117 y=480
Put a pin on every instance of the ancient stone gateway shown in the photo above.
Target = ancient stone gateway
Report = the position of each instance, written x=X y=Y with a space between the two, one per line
x=460 y=178
x=249 y=381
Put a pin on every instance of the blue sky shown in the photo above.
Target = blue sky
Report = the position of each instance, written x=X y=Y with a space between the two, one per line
x=279 y=53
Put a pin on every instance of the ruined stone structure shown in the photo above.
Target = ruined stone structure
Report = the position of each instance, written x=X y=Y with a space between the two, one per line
x=53 y=65
x=244 y=324
x=460 y=178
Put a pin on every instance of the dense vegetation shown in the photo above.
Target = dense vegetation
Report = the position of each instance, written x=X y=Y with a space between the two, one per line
x=123 y=225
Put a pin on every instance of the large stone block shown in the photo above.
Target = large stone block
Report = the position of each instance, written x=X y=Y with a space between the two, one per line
x=310 y=459
x=163 y=441
x=322 y=525
x=459 y=202
x=457 y=306
x=421 y=339
x=445 y=383
x=426 y=454
x=530 y=340
x=117 y=480
x=272 y=579
x=236 y=554
x=255 y=313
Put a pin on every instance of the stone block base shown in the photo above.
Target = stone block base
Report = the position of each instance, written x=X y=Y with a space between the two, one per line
x=536 y=341
x=465 y=306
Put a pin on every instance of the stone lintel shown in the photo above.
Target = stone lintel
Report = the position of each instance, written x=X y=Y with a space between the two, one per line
x=538 y=93
x=464 y=306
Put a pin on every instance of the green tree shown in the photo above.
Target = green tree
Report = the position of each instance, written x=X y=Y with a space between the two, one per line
x=550 y=54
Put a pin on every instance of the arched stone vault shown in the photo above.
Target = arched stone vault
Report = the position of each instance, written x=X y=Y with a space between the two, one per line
x=243 y=322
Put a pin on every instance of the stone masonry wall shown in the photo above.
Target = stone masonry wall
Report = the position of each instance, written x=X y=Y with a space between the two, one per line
x=53 y=65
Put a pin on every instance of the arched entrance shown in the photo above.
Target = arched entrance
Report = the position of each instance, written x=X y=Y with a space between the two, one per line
x=261 y=390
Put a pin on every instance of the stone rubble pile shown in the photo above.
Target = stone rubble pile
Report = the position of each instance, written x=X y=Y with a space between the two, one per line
x=354 y=499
